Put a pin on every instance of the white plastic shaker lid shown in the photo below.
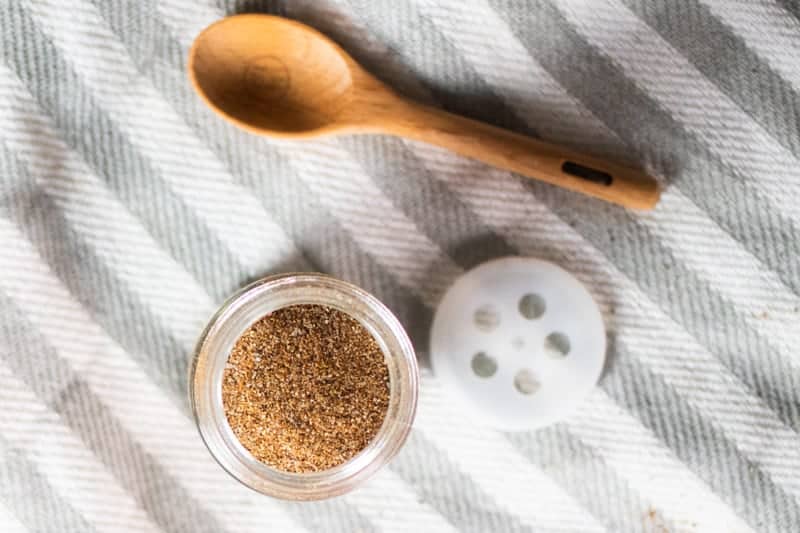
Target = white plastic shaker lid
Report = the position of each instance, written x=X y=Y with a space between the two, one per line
x=519 y=341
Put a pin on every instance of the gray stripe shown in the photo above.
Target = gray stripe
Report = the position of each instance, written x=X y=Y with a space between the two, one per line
x=29 y=355
x=34 y=360
x=792 y=6
x=106 y=297
x=462 y=95
x=309 y=224
x=356 y=39
x=465 y=94
x=92 y=133
x=169 y=503
x=594 y=484
x=433 y=207
x=329 y=515
x=725 y=59
x=700 y=444
x=713 y=184
x=232 y=7
x=26 y=492
x=465 y=504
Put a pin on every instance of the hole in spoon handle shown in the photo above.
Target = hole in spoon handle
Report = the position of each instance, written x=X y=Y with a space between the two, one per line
x=589 y=174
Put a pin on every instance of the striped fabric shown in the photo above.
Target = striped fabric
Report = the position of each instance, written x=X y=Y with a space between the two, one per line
x=128 y=212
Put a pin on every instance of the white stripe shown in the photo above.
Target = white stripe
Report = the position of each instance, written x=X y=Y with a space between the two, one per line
x=629 y=450
x=768 y=29
x=371 y=219
x=186 y=24
x=9 y=523
x=161 y=136
x=386 y=501
x=139 y=405
x=754 y=292
x=63 y=460
x=677 y=86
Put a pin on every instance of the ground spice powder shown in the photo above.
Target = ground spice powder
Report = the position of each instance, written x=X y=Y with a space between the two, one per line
x=305 y=388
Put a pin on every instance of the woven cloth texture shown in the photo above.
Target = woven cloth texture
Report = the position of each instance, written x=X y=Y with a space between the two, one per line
x=129 y=212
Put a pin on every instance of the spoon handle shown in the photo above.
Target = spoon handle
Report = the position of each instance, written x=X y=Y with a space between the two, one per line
x=530 y=157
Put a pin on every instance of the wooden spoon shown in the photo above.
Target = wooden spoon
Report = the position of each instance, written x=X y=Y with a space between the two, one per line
x=277 y=77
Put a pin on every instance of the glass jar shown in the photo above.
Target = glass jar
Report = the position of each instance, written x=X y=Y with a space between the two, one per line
x=239 y=313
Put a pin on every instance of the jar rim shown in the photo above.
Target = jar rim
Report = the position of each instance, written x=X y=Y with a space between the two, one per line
x=250 y=304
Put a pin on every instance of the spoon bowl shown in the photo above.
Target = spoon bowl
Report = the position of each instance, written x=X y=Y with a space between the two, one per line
x=271 y=74
x=277 y=77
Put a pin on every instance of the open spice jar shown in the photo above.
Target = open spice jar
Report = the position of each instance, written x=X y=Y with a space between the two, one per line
x=267 y=348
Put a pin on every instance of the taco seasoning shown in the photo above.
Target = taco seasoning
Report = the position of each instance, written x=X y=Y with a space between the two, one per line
x=305 y=388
